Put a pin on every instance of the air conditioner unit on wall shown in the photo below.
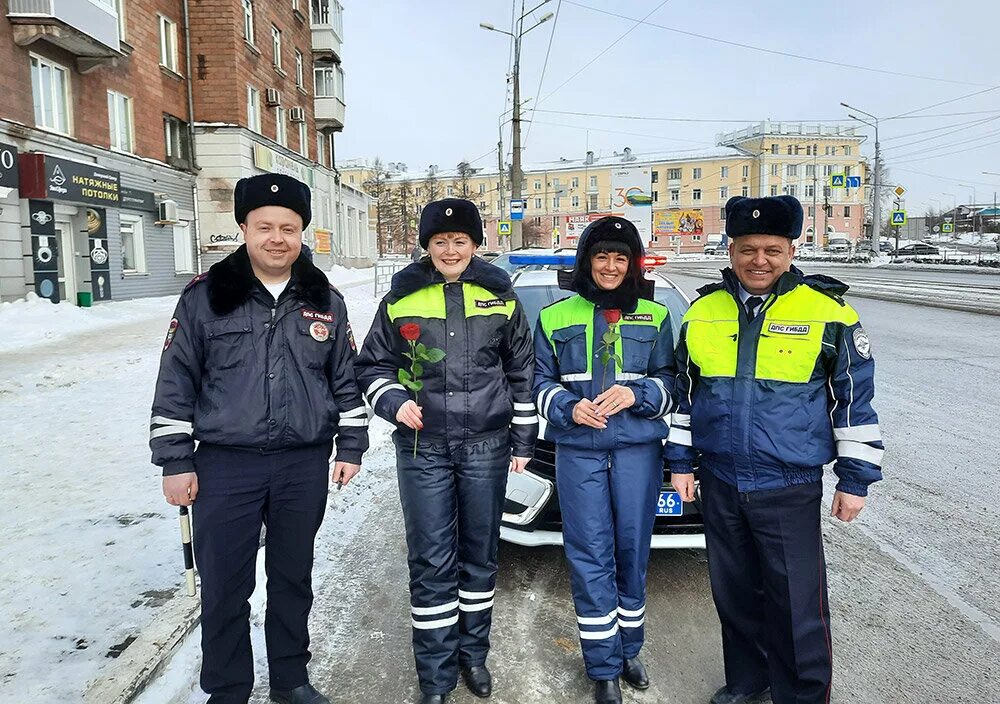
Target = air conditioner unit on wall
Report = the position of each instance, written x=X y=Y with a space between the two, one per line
x=297 y=114
x=166 y=212
x=273 y=97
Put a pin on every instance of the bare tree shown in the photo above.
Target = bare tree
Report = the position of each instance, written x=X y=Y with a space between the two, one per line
x=461 y=181
x=378 y=187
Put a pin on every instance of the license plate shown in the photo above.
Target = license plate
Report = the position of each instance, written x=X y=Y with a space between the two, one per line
x=669 y=504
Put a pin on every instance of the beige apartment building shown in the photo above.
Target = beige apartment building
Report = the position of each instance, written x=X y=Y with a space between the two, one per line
x=688 y=188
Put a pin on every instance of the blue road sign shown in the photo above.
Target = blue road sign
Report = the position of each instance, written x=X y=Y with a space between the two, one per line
x=854 y=182
x=517 y=210
x=503 y=227
x=898 y=217
x=837 y=180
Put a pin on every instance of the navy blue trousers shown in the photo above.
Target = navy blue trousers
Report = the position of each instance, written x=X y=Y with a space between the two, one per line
x=768 y=574
x=452 y=495
x=608 y=504
x=238 y=491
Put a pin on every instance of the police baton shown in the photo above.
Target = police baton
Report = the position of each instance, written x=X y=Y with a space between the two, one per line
x=188 y=553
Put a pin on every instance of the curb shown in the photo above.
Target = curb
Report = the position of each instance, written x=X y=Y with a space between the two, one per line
x=146 y=657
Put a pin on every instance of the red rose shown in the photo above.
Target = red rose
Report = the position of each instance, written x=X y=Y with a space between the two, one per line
x=612 y=315
x=410 y=332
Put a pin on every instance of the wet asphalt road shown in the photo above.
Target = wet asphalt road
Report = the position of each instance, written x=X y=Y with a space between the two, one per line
x=913 y=582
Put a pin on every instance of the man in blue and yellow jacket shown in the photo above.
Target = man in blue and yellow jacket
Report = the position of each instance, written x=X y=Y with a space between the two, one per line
x=775 y=380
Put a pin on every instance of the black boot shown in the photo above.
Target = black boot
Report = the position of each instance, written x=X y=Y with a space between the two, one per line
x=635 y=674
x=724 y=696
x=477 y=679
x=306 y=694
x=607 y=692
x=432 y=698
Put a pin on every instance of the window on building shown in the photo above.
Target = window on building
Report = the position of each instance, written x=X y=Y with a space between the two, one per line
x=675 y=196
x=790 y=151
x=833 y=151
x=183 y=256
x=696 y=238
x=847 y=170
x=133 y=247
x=812 y=211
x=827 y=169
x=774 y=148
x=120 y=10
x=538 y=203
x=321 y=152
x=451 y=191
x=792 y=170
x=50 y=92
x=722 y=214
x=811 y=170
x=790 y=190
x=827 y=192
x=120 y=122
x=300 y=79
x=575 y=183
x=656 y=196
x=797 y=148
x=696 y=173
x=673 y=174
x=696 y=194
x=248 y=20
x=847 y=151
x=416 y=192
x=276 y=46
x=281 y=126
x=538 y=185
x=775 y=169
x=810 y=191
x=826 y=150
x=303 y=140
x=746 y=192
x=593 y=182
x=177 y=138
x=655 y=177
x=556 y=202
x=168 y=44
x=774 y=190
x=325 y=78
x=575 y=201
x=723 y=193
x=253 y=109
x=724 y=172
x=746 y=172
x=847 y=211
x=809 y=150
x=592 y=202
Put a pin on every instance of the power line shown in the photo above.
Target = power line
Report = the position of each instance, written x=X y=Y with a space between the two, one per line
x=545 y=64
x=934 y=129
x=774 y=51
x=675 y=119
x=948 y=145
x=950 y=153
x=944 y=102
x=629 y=134
x=943 y=134
x=606 y=49
x=945 y=178
x=942 y=114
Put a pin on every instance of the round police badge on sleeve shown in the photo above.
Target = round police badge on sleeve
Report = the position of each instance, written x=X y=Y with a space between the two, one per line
x=862 y=344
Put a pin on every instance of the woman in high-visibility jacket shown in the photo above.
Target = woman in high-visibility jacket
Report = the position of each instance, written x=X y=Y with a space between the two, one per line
x=471 y=419
x=604 y=375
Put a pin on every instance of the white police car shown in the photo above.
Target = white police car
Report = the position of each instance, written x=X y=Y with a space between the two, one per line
x=531 y=510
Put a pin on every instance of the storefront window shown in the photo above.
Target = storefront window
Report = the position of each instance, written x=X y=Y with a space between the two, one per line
x=133 y=251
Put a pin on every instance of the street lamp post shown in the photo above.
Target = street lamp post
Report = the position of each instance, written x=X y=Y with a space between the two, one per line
x=518 y=31
x=876 y=177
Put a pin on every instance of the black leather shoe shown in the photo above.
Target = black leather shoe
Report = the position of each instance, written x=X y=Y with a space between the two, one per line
x=477 y=679
x=432 y=698
x=306 y=694
x=607 y=692
x=724 y=696
x=635 y=674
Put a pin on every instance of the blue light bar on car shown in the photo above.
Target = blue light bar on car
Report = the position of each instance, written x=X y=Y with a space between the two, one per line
x=544 y=259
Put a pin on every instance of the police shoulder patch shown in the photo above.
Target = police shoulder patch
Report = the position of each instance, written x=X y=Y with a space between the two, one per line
x=350 y=337
x=862 y=344
x=171 y=331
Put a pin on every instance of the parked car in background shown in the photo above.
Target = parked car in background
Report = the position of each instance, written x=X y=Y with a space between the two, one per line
x=839 y=245
x=917 y=249
x=531 y=514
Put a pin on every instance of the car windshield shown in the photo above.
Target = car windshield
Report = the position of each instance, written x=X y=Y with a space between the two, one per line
x=534 y=298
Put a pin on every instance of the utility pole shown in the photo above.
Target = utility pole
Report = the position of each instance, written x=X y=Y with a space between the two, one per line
x=876 y=177
x=517 y=33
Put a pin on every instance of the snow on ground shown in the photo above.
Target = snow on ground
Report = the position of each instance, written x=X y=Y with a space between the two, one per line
x=90 y=548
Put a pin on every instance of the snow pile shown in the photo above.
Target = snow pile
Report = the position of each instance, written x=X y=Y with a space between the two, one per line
x=341 y=276
x=32 y=320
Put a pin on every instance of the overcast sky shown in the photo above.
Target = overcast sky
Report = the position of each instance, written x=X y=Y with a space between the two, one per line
x=426 y=85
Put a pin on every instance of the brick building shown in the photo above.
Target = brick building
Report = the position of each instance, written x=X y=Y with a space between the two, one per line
x=117 y=162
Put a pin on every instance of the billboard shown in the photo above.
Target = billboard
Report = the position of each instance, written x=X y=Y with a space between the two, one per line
x=631 y=198
x=322 y=241
x=678 y=222
x=576 y=224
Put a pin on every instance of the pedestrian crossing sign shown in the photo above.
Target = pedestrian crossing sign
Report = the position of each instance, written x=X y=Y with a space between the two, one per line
x=948 y=227
x=898 y=217
x=837 y=180
x=503 y=227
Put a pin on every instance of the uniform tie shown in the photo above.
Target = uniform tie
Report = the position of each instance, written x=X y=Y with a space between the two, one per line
x=751 y=304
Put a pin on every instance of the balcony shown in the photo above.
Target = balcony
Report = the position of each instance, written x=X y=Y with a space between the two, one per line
x=326 y=42
x=88 y=29
x=329 y=113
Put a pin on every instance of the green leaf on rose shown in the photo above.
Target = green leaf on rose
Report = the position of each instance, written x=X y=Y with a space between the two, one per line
x=618 y=361
x=434 y=355
x=404 y=376
x=418 y=369
x=605 y=358
x=416 y=385
x=421 y=349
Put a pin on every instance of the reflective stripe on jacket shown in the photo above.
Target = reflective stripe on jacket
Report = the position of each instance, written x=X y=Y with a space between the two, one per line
x=568 y=368
x=768 y=402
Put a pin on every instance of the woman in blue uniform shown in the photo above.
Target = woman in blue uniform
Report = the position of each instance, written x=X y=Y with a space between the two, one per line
x=604 y=375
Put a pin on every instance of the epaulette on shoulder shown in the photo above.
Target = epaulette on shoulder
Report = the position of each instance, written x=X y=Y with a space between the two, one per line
x=835 y=294
x=335 y=292
x=196 y=280
x=710 y=288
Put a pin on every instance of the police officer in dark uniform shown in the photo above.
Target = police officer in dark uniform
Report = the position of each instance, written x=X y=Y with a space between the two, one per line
x=258 y=367
x=775 y=380
x=472 y=414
